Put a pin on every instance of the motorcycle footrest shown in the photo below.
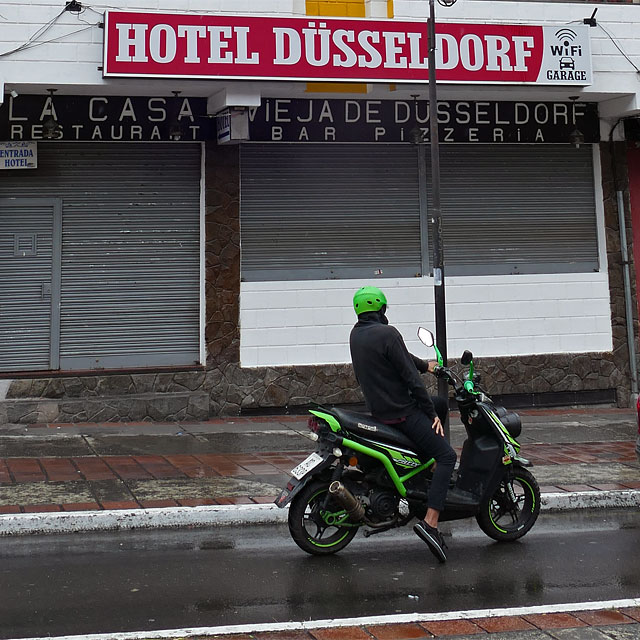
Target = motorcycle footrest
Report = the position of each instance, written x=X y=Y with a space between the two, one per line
x=416 y=495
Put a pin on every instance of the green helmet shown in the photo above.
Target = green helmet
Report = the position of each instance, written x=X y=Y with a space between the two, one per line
x=368 y=299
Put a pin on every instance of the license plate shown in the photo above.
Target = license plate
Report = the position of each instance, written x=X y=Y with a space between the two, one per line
x=306 y=465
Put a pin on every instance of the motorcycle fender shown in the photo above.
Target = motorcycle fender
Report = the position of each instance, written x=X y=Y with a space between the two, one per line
x=294 y=486
x=494 y=480
x=289 y=492
x=502 y=473
x=519 y=464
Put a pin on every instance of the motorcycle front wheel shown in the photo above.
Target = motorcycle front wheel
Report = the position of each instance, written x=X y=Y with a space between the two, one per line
x=513 y=508
x=316 y=519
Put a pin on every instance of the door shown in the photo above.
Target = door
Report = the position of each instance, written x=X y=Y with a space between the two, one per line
x=30 y=241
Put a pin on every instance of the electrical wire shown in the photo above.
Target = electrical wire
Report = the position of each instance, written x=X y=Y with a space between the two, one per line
x=87 y=8
x=619 y=48
x=41 y=31
x=31 y=42
x=103 y=6
x=84 y=10
x=57 y=38
x=34 y=41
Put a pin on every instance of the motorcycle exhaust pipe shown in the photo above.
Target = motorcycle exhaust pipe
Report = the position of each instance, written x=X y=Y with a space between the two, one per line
x=347 y=500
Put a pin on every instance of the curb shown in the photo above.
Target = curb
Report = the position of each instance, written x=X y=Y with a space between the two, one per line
x=128 y=519
x=227 y=515
x=613 y=499
x=357 y=623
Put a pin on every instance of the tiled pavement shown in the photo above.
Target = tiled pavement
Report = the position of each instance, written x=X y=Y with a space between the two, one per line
x=81 y=480
x=609 y=624
x=129 y=470
x=89 y=467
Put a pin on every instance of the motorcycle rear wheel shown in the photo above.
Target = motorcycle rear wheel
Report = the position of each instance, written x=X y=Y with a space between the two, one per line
x=307 y=527
x=504 y=519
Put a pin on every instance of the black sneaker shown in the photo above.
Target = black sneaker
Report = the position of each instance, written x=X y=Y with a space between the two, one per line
x=433 y=538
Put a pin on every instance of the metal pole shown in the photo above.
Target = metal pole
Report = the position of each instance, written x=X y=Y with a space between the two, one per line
x=627 y=298
x=436 y=213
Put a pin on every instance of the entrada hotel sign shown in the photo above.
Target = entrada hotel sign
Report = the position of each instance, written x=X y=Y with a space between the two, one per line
x=18 y=155
x=175 y=45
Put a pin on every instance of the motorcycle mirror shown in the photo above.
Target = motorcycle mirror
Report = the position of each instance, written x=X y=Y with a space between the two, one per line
x=426 y=337
x=467 y=357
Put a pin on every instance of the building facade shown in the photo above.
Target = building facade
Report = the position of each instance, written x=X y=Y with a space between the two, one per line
x=190 y=196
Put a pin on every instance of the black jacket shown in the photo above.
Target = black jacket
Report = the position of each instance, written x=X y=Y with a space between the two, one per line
x=387 y=373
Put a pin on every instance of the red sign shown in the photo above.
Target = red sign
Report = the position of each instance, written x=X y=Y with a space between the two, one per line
x=172 y=45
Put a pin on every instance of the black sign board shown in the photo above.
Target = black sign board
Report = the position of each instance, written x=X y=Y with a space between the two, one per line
x=150 y=119
x=105 y=119
x=313 y=120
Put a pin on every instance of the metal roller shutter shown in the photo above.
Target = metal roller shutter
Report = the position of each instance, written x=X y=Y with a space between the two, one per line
x=329 y=211
x=130 y=269
x=339 y=211
x=518 y=209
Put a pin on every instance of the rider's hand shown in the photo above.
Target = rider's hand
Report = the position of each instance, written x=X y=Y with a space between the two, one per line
x=437 y=427
x=432 y=364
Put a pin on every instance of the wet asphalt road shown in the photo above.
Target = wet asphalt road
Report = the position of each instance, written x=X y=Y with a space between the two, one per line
x=98 y=583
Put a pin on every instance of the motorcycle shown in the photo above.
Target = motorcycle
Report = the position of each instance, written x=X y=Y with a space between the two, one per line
x=367 y=475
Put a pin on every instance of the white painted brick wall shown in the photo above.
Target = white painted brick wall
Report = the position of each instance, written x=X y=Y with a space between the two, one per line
x=491 y=315
x=20 y=19
x=376 y=9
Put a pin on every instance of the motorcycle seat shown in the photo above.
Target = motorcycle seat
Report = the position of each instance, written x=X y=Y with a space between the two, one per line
x=366 y=426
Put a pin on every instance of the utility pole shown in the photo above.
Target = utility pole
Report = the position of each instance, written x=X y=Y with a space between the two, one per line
x=435 y=211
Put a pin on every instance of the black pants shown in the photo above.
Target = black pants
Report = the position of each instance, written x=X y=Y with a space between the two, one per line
x=418 y=427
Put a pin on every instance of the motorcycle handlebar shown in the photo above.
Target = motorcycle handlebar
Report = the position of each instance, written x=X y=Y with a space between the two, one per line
x=445 y=372
x=458 y=385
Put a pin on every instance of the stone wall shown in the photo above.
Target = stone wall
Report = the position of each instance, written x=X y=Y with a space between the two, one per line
x=222 y=254
x=229 y=389
x=225 y=388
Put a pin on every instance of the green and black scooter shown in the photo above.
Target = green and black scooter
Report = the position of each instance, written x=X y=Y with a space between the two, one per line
x=366 y=474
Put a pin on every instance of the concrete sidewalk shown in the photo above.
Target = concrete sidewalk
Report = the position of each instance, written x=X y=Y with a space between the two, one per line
x=60 y=478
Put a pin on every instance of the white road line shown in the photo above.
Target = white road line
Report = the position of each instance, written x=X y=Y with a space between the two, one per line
x=351 y=622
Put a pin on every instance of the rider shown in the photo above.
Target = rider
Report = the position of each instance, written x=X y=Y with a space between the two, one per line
x=394 y=392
